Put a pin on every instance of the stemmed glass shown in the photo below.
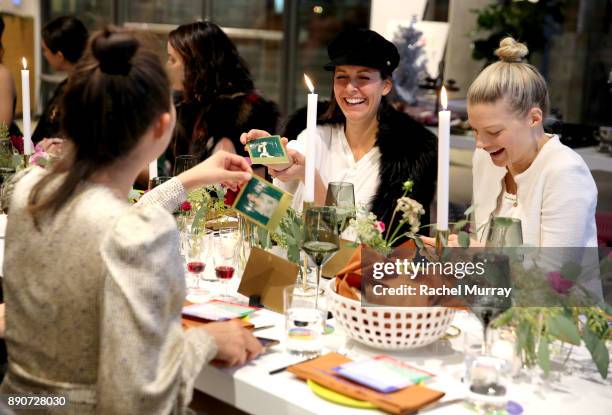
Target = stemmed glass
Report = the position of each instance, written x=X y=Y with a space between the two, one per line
x=183 y=163
x=341 y=195
x=503 y=233
x=321 y=238
x=195 y=246
x=226 y=260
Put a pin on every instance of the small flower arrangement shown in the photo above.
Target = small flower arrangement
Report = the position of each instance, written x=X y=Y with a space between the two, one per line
x=371 y=232
x=204 y=203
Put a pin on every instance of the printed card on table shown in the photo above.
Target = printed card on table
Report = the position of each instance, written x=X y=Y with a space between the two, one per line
x=262 y=203
x=267 y=150
x=382 y=373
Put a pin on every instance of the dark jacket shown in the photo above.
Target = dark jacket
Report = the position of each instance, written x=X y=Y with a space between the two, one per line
x=198 y=129
x=49 y=123
x=408 y=151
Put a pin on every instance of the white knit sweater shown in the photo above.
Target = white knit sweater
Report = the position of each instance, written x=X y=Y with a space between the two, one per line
x=556 y=197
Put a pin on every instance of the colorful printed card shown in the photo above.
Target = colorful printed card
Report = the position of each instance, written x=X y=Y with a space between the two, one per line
x=262 y=203
x=217 y=311
x=267 y=150
x=382 y=373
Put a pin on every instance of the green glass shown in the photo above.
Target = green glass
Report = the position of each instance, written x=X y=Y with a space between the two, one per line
x=341 y=195
x=504 y=232
x=321 y=240
x=183 y=163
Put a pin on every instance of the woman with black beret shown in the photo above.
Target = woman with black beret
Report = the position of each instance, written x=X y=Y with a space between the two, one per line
x=363 y=140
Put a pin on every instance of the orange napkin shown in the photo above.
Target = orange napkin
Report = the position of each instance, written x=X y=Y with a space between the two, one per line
x=404 y=401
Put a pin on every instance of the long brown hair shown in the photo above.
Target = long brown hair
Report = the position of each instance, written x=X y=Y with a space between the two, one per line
x=112 y=98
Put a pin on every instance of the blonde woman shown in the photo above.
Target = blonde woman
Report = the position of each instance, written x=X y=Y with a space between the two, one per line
x=520 y=171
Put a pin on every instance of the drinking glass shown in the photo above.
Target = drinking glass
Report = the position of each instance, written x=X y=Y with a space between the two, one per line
x=504 y=232
x=341 y=195
x=183 y=163
x=304 y=321
x=156 y=181
x=321 y=239
x=195 y=248
x=226 y=260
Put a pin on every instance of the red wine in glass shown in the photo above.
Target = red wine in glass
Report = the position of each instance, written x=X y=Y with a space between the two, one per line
x=196 y=267
x=224 y=272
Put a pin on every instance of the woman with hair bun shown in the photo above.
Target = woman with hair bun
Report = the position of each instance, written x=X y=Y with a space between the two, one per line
x=95 y=314
x=520 y=171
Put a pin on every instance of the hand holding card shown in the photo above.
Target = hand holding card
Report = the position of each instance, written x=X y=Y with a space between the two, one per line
x=268 y=151
x=262 y=203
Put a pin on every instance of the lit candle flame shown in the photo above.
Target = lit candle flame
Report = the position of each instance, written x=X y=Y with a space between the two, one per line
x=24 y=63
x=443 y=98
x=309 y=84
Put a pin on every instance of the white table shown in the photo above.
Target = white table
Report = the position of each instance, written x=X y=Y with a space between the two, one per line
x=253 y=390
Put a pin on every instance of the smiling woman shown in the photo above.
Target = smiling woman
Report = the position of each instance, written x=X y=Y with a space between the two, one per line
x=519 y=170
x=362 y=140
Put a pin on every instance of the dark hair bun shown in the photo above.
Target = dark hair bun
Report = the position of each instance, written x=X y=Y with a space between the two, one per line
x=114 y=51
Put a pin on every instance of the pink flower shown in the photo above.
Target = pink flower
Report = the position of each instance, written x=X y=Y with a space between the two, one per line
x=40 y=157
x=381 y=226
x=185 y=206
x=558 y=283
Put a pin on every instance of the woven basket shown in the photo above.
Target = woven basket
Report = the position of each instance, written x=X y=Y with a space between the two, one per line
x=389 y=328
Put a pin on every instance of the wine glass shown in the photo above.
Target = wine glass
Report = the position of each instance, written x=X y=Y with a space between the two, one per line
x=183 y=163
x=504 y=232
x=156 y=181
x=195 y=245
x=341 y=195
x=321 y=238
x=226 y=260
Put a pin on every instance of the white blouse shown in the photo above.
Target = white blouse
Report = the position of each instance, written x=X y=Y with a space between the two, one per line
x=555 y=200
x=335 y=163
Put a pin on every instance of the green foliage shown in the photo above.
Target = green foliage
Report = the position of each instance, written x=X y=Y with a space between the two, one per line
x=542 y=326
x=204 y=202
x=528 y=22
x=4 y=131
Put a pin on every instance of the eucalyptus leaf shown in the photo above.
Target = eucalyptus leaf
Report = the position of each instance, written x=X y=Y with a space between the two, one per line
x=464 y=239
x=563 y=329
x=460 y=225
x=469 y=211
x=544 y=356
x=599 y=351
x=418 y=242
x=571 y=271
x=198 y=218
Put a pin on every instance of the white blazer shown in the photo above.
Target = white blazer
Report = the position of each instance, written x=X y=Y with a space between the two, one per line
x=556 y=197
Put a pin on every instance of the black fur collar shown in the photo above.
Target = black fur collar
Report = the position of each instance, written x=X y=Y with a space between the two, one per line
x=408 y=151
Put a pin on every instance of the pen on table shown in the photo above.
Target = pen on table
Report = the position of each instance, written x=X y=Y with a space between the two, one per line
x=282 y=369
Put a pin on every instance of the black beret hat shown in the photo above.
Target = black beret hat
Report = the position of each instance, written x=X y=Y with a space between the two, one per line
x=362 y=47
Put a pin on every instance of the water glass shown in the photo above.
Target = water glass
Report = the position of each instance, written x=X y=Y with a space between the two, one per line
x=156 y=181
x=341 y=195
x=304 y=321
x=183 y=163
x=486 y=376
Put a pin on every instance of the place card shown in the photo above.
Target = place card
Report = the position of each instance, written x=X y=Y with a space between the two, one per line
x=267 y=150
x=265 y=275
x=262 y=203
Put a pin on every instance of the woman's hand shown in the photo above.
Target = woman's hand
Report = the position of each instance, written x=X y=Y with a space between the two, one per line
x=255 y=134
x=295 y=171
x=235 y=344
x=222 y=167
